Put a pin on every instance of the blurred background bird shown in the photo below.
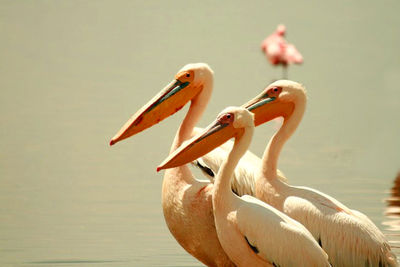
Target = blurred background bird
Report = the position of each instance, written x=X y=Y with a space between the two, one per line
x=279 y=52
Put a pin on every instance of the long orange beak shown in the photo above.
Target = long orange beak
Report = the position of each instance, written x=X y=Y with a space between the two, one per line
x=171 y=99
x=268 y=108
x=213 y=136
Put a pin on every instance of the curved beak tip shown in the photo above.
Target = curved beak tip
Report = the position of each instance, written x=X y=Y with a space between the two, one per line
x=159 y=168
x=112 y=142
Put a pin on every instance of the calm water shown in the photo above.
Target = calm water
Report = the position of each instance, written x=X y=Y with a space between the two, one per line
x=72 y=72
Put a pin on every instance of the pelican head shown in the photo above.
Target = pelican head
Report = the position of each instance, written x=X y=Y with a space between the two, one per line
x=277 y=100
x=186 y=85
x=231 y=122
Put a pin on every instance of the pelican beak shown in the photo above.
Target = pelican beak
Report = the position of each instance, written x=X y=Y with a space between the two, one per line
x=268 y=108
x=213 y=136
x=168 y=101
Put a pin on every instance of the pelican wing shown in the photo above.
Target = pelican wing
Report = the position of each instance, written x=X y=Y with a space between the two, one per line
x=277 y=238
x=348 y=236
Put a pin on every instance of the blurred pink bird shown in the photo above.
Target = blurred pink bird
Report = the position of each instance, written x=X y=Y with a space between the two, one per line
x=280 y=52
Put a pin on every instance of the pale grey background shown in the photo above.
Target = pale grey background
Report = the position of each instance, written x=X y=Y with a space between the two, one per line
x=72 y=72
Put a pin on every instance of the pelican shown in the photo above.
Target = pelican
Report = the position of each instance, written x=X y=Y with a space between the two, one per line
x=186 y=201
x=348 y=236
x=251 y=232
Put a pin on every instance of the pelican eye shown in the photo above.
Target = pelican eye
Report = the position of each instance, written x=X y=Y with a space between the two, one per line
x=275 y=91
x=188 y=75
x=226 y=118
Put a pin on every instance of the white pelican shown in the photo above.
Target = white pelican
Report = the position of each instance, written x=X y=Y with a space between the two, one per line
x=349 y=237
x=186 y=201
x=251 y=232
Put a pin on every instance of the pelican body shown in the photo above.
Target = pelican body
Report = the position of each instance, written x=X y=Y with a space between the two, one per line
x=349 y=237
x=251 y=232
x=186 y=201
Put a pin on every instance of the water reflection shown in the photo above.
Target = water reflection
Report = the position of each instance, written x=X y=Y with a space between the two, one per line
x=393 y=202
x=392 y=213
x=71 y=72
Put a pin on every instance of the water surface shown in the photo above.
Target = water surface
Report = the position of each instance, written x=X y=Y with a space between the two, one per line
x=72 y=72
